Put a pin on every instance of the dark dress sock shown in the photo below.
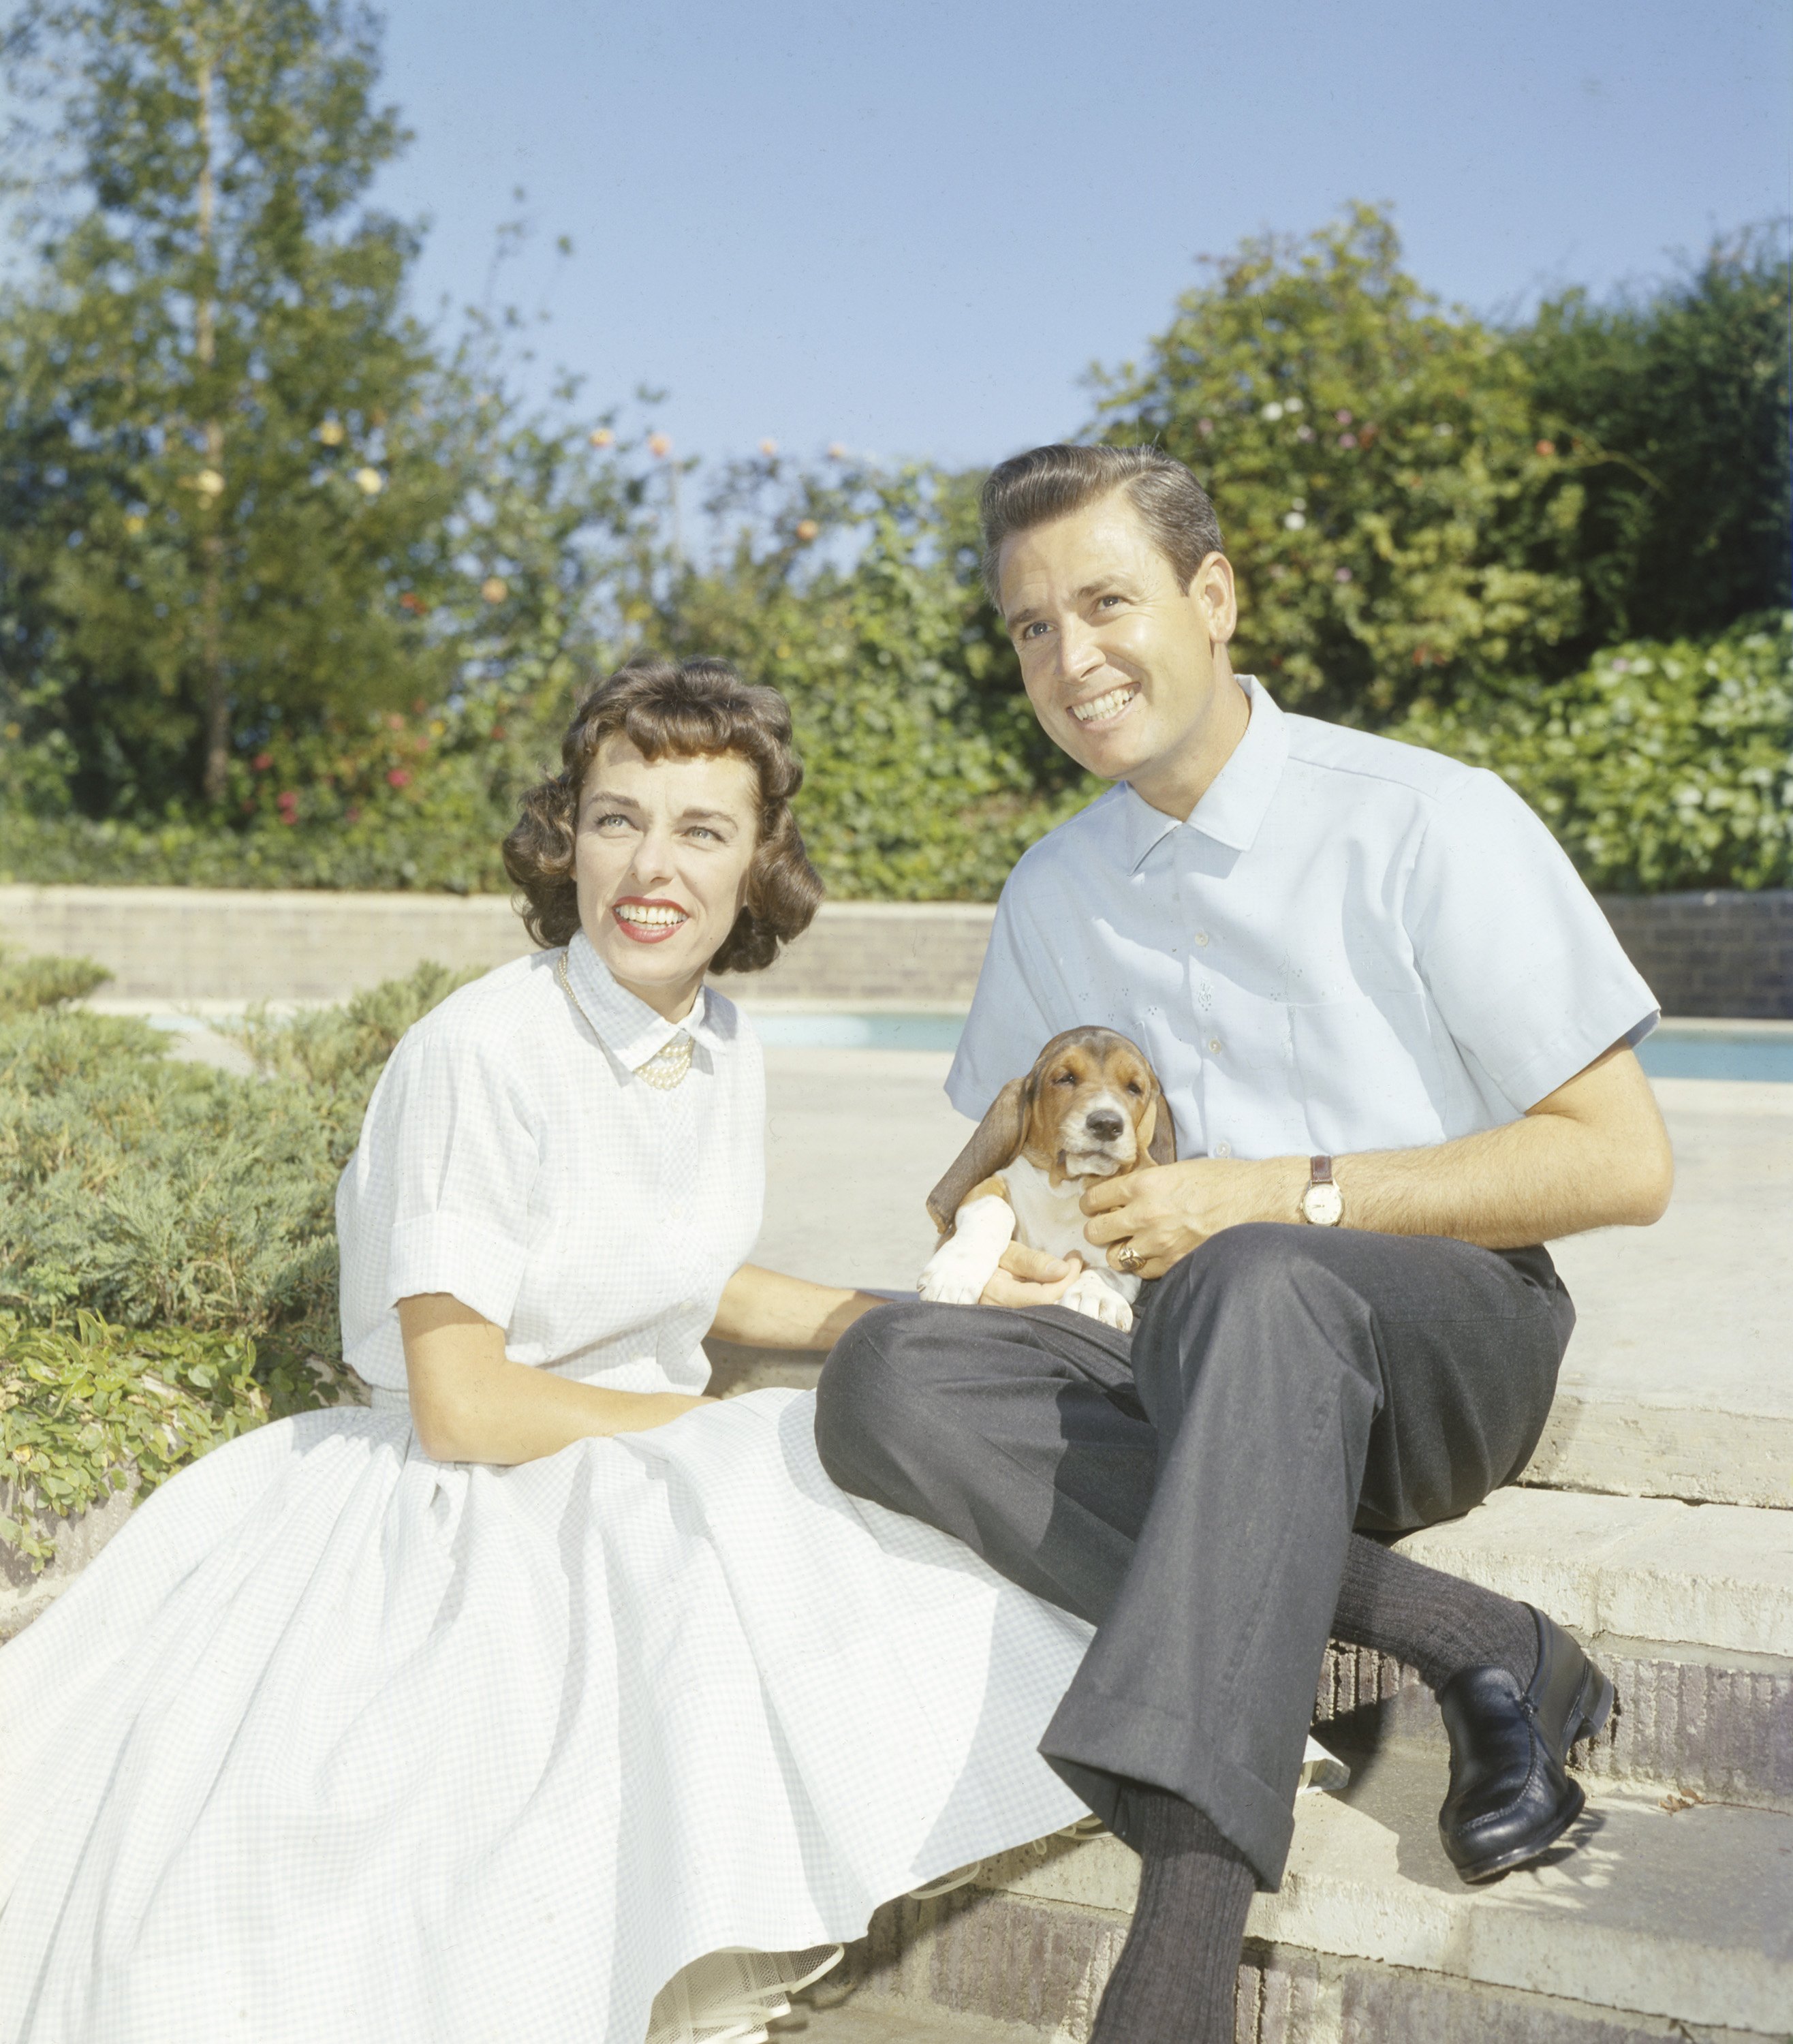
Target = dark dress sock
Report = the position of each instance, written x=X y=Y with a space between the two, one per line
x=1175 y=1980
x=1435 y=1623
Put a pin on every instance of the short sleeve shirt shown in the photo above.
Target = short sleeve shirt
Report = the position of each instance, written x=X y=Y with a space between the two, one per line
x=1349 y=944
x=513 y=1157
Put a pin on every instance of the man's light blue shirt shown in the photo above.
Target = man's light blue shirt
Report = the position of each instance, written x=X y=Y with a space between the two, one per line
x=1351 y=944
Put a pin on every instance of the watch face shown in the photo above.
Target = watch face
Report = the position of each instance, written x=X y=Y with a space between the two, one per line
x=1324 y=1205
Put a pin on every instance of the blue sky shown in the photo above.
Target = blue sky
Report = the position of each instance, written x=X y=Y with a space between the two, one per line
x=911 y=226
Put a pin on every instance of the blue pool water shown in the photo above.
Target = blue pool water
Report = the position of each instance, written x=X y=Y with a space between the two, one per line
x=1671 y=1053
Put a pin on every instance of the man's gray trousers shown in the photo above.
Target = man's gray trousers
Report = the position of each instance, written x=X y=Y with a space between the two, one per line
x=1190 y=1488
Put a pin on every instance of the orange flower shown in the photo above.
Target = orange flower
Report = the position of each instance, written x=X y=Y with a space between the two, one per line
x=807 y=530
x=1547 y=449
x=769 y=448
x=601 y=436
x=494 y=588
x=658 y=446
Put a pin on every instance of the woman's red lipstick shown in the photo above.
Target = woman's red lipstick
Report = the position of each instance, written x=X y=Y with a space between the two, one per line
x=645 y=932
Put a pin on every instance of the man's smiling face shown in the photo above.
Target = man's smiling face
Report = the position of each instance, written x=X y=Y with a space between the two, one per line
x=1126 y=670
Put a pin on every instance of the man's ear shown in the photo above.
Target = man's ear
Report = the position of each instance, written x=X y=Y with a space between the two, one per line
x=1157 y=1131
x=1213 y=588
x=996 y=1143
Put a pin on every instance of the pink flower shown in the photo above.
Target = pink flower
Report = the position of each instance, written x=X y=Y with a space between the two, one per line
x=1204 y=427
x=288 y=798
x=1342 y=415
x=1341 y=575
x=353 y=812
x=399 y=776
x=1347 y=440
x=262 y=761
x=1547 y=449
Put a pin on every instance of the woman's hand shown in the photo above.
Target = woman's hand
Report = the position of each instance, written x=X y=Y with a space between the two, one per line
x=470 y=1403
x=1029 y=1278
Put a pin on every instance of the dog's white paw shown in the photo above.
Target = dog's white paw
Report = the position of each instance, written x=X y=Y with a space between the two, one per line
x=953 y=1281
x=1091 y=1293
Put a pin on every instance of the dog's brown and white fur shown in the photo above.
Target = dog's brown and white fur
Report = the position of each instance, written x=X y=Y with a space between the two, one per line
x=1091 y=1108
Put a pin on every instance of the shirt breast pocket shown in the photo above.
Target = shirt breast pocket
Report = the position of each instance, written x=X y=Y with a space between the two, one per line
x=1368 y=1075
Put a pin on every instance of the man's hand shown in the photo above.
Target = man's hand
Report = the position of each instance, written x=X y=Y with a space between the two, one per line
x=1029 y=1278
x=1166 y=1211
x=1593 y=1154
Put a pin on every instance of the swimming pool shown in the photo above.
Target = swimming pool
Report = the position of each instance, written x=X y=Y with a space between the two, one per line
x=1680 y=1049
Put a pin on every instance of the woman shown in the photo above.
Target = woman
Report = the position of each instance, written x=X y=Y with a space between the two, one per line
x=484 y=1713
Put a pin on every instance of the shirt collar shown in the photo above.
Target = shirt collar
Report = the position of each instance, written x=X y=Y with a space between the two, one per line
x=1237 y=798
x=629 y=1027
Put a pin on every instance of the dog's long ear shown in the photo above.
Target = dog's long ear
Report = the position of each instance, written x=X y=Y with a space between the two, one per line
x=997 y=1140
x=1158 y=1133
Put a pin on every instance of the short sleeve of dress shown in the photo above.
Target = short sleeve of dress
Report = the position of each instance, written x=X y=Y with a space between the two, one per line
x=1523 y=967
x=1007 y=1028
x=449 y=1130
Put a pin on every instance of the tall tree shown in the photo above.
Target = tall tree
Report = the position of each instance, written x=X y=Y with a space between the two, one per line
x=1689 y=384
x=231 y=495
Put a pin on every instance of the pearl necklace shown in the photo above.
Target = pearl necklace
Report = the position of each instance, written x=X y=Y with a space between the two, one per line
x=668 y=1066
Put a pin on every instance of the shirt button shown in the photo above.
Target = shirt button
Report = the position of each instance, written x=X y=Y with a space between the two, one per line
x=1222 y=1149
x=1213 y=1045
x=1201 y=938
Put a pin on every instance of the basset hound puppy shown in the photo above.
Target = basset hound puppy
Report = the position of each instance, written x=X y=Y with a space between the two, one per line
x=1091 y=1108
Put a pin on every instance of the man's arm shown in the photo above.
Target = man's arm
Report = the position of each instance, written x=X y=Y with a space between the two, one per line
x=1593 y=1154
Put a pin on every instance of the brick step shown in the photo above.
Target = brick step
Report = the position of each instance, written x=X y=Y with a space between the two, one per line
x=1656 y=1920
x=1715 y=1727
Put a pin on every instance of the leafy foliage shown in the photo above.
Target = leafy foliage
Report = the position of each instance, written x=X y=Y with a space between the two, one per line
x=93 y=1409
x=1395 y=518
x=244 y=494
x=160 y=1193
x=167 y=1255
x=1661 y=765
x=1685 y=529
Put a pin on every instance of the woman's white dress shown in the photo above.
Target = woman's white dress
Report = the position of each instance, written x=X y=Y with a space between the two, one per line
x=338 y=1742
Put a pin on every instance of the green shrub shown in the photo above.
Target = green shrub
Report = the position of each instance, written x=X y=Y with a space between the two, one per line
x=93 y=1409
x=1660 y=766
x=158 y=1193
x=167 y=1252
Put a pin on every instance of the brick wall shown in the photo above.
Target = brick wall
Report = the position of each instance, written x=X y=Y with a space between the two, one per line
x=1722 y=953
x=1716 y=953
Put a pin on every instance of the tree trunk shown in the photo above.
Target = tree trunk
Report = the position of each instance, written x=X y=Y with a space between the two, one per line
x=211 y=546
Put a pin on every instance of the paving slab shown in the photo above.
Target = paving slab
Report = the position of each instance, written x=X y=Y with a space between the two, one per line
x=1682 y=1914
x=1720 y=1575
x=1679 y=1380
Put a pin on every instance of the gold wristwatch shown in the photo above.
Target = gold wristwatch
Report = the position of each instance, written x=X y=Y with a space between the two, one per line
x=1321 y=1202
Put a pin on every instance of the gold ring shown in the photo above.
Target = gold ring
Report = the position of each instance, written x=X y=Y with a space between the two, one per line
x=1128 y=1258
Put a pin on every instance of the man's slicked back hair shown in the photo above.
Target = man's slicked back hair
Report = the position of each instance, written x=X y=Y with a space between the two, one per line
x=1049 y=482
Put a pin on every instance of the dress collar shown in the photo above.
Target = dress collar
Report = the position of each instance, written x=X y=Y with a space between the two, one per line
x=1238 y=797
x=628 y=1027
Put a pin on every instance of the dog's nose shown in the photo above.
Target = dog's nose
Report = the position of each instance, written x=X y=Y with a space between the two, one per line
x=1104 y=1124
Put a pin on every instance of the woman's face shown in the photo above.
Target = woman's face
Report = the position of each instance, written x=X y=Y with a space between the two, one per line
x=661 y=856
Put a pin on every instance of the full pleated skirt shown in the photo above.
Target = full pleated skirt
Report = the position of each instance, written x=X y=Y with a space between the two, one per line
x=334 y=1741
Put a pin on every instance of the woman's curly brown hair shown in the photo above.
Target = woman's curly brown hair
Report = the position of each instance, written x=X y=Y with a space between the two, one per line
x=699 y=710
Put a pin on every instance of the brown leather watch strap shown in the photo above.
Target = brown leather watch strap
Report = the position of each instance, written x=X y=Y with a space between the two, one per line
x=1319 y=1171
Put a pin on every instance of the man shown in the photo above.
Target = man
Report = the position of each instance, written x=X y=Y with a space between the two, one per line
x=1396 y=1033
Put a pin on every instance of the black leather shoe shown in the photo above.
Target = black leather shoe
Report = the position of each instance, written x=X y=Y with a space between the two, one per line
x=1511 y=1796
